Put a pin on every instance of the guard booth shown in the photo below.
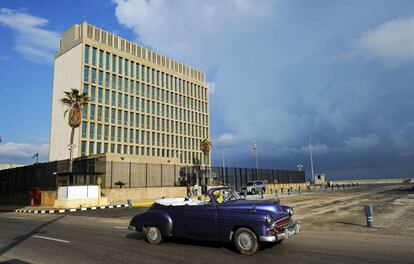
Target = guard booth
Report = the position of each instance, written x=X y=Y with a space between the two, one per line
x=79 y=190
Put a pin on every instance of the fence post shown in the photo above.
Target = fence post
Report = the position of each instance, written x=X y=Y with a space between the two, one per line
x=146 y=175
x=175 y=175
x=161 y=174
x=130 y=174
x=235 y=178
x=241 y=177
x=112 y=168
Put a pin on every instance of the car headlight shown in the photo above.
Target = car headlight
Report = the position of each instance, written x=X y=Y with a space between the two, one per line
x=268 y=219
x=290 y=211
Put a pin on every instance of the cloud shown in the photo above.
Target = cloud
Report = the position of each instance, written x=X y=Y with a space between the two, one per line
x=211 y=87
x=392 y=41
x=225 y=138
x=12 y=152
x=32 y=41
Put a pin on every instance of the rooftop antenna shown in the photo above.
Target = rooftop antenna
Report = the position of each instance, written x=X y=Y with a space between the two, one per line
x=37 y=157
x=84 y=19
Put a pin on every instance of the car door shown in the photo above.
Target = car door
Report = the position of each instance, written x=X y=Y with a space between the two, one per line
x=201 y=221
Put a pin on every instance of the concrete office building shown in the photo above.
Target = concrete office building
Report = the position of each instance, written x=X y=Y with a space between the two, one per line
x=144 y=106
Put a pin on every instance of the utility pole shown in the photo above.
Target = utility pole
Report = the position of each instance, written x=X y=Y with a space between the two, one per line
x=310 y=152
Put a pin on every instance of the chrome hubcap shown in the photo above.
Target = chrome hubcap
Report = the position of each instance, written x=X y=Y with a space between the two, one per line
x=152 y=233
x=245 y=241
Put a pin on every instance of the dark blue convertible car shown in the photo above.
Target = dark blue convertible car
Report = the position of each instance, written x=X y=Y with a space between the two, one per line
x=219 y=216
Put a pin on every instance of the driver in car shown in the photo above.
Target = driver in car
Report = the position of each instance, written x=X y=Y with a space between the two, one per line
x=218 y=196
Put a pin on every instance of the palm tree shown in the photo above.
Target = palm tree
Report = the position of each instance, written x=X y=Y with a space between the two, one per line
x=74 y=101
x=205 y=148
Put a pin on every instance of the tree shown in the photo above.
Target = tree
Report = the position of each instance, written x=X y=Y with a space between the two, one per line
x=205 y=148
x=74 y=101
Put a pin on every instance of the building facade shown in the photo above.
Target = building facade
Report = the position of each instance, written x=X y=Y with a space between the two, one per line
x=143 y=105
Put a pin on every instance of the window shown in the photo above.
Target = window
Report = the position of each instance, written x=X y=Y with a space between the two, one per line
x=106 y=131
x=152 y=76
x=125 y=118
x=126 y=64
x=112 y=148
x=93 y=75
x=119 y=117
x=94 y=56
x=92 y=113
x=120 y=65
x=91 y=147
x=107 y=62
x=113 y=101
x=99 y=131
x=119 y=99
x=85 y=112
x=119 y=134
x=107 y=77
x=86 y=74
x=83 y=148
x=125 y=101
x=93 y=93
x=101 y=55
x=100 y=92
x=84 y=129
x=98 y=147
x=112 y=134
x=126 y=82
x=113 y=64
x=131 y=135
x=105 y=150
x=125 y=134
x=113 y=115
x=113 y=81
x=107 y=97
x=91 y=130
x=119 y=83
x=87 y=50
x=99 y=113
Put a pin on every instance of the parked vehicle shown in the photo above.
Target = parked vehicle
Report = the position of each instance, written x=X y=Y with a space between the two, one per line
x=254 y=187
x=221 y=215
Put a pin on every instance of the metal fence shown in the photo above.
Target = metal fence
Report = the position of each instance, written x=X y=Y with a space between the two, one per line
x=49 y=176
x=237 y=177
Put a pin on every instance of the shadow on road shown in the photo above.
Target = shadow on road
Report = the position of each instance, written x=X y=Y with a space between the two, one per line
x=348 y=223
x=185 y=241
x=19 y=239
x=14 y=261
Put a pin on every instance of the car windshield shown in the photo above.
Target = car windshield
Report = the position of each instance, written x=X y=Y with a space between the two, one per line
x=250 y=183
x=223 y=196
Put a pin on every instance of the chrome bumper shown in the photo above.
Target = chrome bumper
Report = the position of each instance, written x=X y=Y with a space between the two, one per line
x=289 y=231
x=132 y=228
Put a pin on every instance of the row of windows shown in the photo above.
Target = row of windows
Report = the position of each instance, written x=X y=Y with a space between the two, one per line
x=113 y=98
x=122 y=66
x=116 y=133
x=138 y=51
x=145 y=122
x=112 y=115
x=186 y=157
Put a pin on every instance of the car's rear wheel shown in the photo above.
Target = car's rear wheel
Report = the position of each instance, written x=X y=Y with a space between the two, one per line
x=246 y=241
x=153 y=235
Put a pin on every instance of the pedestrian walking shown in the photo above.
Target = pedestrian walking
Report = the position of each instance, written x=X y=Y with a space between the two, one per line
x=195 y=189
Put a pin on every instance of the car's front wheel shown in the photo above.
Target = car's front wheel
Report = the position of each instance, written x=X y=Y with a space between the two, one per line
x=153 y=235
x=246 y=241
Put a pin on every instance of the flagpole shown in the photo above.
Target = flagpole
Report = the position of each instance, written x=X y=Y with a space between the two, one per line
x=310 y=151
x=257 y=162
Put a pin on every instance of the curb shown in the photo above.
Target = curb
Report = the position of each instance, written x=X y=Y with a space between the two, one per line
x=60 y=211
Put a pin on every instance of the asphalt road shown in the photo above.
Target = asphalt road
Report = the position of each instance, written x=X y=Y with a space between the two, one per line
x=102 y=237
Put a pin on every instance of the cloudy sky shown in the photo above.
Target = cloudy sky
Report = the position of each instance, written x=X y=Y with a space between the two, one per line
x=279 y=72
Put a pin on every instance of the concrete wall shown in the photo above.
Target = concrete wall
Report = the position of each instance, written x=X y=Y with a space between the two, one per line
x=48 y=198
x=151 y=193
x=374 y=181
x=67 y=75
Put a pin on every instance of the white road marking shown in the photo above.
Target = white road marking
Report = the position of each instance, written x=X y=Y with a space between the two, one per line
x=84 y=209
x=51 y=238
x=16 y=217
x=120 y=227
